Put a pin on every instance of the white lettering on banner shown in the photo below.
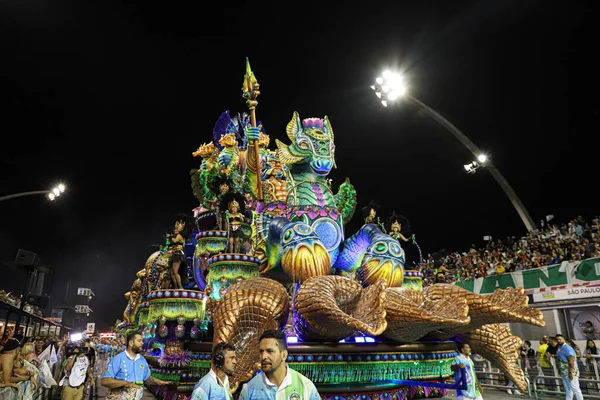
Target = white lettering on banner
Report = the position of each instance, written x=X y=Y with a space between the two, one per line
x=575 y=293
x=566 y=275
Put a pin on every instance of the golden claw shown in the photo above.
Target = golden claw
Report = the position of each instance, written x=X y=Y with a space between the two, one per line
x=412 y=314
x=332 y=307
x=496 y=344
x=502 y=306
x=243 y=314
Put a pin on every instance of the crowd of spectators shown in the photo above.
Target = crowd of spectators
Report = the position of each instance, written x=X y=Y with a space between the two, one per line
x=21 y=370
x=545 y=363
x=573 y=241
x=8 y=298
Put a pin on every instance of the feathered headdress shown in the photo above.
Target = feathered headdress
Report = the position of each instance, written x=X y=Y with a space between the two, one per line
x=400 y=219
x=186 y=232
x=230 y=197
x=366 y=210
x=236 y=125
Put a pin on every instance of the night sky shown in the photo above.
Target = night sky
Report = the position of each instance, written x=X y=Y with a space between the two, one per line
x=112 y=98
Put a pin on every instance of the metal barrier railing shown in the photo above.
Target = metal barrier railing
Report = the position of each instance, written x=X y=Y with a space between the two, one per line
x=504 y=387
x=589 y=379
x=588 y=368
x=581 y=380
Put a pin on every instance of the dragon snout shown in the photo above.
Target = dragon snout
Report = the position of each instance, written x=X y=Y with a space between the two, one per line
x=322 y=166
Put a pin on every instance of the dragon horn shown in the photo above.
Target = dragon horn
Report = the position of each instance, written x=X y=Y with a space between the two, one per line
x=284 y=154
x=294 y=126
x=329 y=132
x=328 y=128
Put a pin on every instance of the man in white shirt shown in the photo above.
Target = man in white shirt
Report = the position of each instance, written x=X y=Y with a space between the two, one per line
x=462 y=362
x=277 y=381
x=215 y=384
x=76 y=372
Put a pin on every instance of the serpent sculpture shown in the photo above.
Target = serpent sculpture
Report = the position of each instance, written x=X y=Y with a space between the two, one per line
x=298 y=270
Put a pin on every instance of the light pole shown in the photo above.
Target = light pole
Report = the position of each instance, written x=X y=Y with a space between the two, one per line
x=390 y=87
x=52 y=193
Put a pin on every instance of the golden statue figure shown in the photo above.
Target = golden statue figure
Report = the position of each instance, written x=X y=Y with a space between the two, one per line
x=235 y=206
x=176 y=242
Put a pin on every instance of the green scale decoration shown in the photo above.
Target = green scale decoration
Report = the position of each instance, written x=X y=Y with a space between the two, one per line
x=228 y=269
x=210 y=243
x=173 y=308
x=413 y=280
x=362 y=372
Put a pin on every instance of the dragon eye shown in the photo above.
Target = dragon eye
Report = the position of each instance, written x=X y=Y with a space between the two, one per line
x=303 y=145
x=380 y=247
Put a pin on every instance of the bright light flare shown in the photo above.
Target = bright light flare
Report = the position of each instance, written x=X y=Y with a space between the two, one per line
x=472 y=167
x=75 y=337
x=482 y=158
x=389 y=87
x=56 y=191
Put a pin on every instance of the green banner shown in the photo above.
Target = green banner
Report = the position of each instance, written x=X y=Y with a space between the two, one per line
x=563 y=276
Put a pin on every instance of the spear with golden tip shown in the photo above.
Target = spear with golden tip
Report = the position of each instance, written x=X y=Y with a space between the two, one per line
x=250 y=93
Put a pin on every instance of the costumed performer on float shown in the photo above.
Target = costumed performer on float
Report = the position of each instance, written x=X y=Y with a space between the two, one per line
x=128 y=371
x=369 y=214
x=184 y=226
x=394 y=226
x=215 y=384
x=233 y=205
x=277 y=381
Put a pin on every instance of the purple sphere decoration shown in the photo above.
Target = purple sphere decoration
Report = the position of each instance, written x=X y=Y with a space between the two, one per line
x=197 y=321
x=163 y=331
x=181 y=320
x=180 y=331
x=195 y=332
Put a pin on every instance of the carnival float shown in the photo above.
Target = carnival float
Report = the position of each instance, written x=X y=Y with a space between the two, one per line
x=266 y=249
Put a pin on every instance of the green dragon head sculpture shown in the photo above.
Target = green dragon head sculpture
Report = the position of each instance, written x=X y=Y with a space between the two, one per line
x=312 y=144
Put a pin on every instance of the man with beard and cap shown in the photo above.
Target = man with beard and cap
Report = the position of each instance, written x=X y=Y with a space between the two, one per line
x=277 y=381
x=128 y=371
x=463 y=362
x=215 y=384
